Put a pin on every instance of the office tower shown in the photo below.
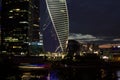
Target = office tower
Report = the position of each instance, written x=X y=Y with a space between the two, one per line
x=35 y=38
x=56 y=26
x=19 y=26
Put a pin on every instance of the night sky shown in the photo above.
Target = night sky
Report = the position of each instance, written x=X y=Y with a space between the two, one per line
x=95 y=17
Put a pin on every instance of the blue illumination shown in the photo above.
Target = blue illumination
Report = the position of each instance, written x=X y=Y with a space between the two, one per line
x=0 y=5
x=35 y=43
x=53 y=75
x=38 y=65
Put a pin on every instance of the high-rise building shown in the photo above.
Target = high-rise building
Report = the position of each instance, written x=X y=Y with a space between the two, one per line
x=35 y=38
x=56 y=26
x=20 y=25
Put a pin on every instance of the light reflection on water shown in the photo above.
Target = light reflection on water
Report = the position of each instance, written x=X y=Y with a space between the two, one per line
x=34 y=77
x=51 y=76
x=118 y=74
x=54 y=75
x=42 y=72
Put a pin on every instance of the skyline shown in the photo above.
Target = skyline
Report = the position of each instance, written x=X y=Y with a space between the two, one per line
x=95 y=20
x=89 y=18
x=98 y=18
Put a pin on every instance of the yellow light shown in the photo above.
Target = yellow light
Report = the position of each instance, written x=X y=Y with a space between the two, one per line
x=62 y=11
x=17 y=9
x=11 y=11
x=17 y=47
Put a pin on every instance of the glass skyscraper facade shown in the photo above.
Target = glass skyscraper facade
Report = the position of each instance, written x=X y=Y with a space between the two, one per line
x=56 y=26
x=20 y=26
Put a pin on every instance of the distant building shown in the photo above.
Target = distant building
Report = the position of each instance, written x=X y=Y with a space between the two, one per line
x=20 y=25
x=55 y=26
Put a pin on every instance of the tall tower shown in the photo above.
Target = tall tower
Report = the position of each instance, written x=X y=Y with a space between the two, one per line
x=19 y=26
x=57 y=25
x=15 y=26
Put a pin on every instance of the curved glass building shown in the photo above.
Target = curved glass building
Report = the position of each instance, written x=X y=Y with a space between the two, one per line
x=56 y=27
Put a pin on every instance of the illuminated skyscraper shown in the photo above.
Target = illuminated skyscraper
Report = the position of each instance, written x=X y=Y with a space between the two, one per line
x=20 y=25
x=56 y=27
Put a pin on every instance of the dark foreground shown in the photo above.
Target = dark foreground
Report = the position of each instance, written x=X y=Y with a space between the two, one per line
x=13 y=69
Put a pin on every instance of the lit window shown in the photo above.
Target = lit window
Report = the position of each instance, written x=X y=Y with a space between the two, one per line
x=17 y=47
x=62 y=11
x=36 y=25
x=14 y=39
x=11 y=11
x=17 y=9
x=23 y=22
x=11 y=17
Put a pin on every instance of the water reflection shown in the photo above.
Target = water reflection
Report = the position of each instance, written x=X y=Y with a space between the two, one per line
x=118 y=74
x=73 y=74
x=43 y=72
x=29 y=76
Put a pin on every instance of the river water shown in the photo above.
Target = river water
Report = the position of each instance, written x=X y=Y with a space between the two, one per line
x=64 y=73
x=71 y=74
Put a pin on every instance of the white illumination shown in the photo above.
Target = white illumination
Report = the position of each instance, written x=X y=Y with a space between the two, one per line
x=23 y=22
x=10 y=17
x=105 y=57
x=11 y=11
x=118 y=46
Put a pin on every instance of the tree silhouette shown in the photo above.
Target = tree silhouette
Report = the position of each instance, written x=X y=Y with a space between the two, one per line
x=73 y=47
